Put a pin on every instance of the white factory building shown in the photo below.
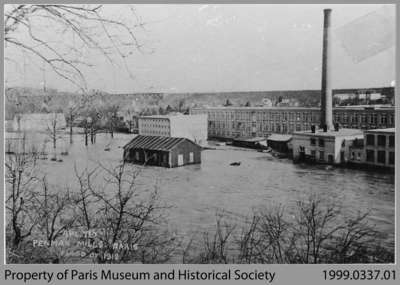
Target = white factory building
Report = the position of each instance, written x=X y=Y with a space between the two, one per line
x=331 y=146
x=192 y=127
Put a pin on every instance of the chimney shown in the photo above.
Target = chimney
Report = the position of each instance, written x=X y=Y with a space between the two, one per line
x=326 y=89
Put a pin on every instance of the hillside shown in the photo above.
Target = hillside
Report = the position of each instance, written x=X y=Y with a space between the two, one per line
x=30 y=100
x=34 y=100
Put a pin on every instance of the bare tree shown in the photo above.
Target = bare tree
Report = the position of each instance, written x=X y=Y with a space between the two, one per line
x=87 y=28
x=318 y=234
x=55 y=211
x=21 y=178
x=125 y=218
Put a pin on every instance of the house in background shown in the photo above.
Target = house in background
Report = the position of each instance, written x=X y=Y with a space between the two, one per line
x=39 y=121
x=162 y=151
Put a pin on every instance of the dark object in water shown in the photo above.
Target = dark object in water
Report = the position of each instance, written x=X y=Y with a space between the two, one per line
x=60 y=160
x=279 y=154
x=64 y=153
x=53 y=159
x=107 y=149
x=236 y=163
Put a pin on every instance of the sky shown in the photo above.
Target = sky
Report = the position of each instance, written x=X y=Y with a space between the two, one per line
x=219 y=48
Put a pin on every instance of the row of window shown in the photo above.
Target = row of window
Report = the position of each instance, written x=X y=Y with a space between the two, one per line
x=274 y=116
x=382 y=117
x=381 y=140
x=321 y=142
x=380 y=156
x=374 y=118
x=216 y=126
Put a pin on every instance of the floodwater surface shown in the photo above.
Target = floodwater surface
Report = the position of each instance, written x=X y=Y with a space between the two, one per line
x=196 y=193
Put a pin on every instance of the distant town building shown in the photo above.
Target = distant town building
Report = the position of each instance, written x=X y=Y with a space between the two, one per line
x=364 y=95
x=39 y=121
x=231 y=122
x=162 y=151
x=266 y=102
x=379 y=147
x=192 y=127
x=332 y=147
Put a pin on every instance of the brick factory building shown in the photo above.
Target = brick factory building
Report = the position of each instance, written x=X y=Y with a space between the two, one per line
x=231 y=122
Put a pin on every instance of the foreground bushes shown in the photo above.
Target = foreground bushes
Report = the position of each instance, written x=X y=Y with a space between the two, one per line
x=318 y=233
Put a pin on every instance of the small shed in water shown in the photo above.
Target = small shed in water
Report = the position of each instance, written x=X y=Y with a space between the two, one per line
x=162 y=151
x=279 y=142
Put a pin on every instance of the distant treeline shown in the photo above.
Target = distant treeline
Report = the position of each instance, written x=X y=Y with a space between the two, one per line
x=30 y=100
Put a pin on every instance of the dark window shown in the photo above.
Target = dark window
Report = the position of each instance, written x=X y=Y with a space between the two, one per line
x=321 y=142
x=370 y=140
x=381 y=140
x=382 y=156
x=313 y=154
x=370 y=155
x=391 y=141
x=312 y=141
x=391 y=157
x=321 y=155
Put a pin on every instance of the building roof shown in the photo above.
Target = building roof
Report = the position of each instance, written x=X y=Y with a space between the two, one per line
x=257 y=108
x=388 y=130
x=293 y=108
x=155 y=142
x=174 y=115
x=279 y=138
x=331 y=133
x=250 y=139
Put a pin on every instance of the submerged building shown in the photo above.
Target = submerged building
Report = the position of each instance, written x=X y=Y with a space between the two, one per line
x=331 y=146
x=379 y=147
x=162 y=151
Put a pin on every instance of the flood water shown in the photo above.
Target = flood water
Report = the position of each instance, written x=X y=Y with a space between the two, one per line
x=197 y=192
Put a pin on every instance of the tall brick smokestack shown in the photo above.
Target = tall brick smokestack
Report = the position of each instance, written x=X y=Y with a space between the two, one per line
x=326 y=89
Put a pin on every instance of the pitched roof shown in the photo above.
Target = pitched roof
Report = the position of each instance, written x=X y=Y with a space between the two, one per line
x=279 y=137
x=155 y=142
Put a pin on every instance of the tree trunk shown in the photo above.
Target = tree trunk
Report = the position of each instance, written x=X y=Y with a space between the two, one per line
x=70 y=129
x=86 y=135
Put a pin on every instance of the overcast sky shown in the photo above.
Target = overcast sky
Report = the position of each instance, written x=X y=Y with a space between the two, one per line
x=215 y=48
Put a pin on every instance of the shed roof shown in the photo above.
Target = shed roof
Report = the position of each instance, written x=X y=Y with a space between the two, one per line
x=155 y=142
x=279 y=138
x=249 y=139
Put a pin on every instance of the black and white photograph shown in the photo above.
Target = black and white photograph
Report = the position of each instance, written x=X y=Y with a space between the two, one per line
x=199 y=133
